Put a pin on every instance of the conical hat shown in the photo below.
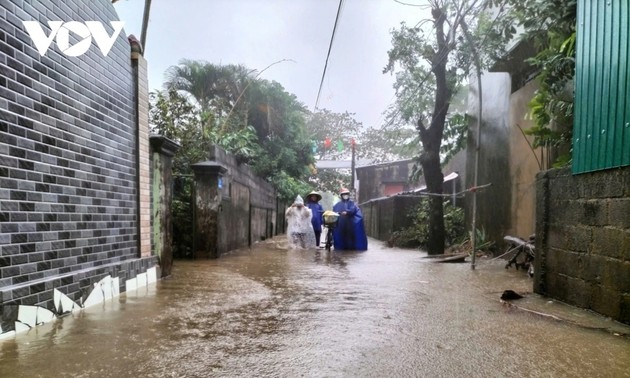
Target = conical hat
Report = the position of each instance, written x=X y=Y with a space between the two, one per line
x=314 y=193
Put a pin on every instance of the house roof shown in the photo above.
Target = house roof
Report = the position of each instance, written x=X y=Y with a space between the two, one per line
x=396 y=162
x=451 y=176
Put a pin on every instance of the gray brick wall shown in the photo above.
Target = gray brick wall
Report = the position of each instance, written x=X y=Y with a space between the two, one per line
x=583 y=239
x=68 y=198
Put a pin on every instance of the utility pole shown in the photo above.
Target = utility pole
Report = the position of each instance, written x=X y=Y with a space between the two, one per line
x=477 y=143
x=352 y=167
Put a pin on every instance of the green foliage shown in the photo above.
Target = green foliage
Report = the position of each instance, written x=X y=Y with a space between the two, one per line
x=416 y=54
x=454 y=138
x=255 y=120
x=339 y=127
x=482 y=241
x=171 y=114
x=552 y=106
x=214 y=87
x=431 y=65
x=289 y=187
x=551 y=25
x=330 y=179
x=393 y=141
x=417 y=235
x=242 y=143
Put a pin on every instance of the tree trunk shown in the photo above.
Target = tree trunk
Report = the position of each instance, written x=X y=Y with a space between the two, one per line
x=431 y=139
x=434 y=178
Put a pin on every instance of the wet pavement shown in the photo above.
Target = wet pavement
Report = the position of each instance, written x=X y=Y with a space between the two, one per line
x=272 y=312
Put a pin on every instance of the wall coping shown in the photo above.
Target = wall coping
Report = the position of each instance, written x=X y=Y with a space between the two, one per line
x=164 y=145
x=209 y=166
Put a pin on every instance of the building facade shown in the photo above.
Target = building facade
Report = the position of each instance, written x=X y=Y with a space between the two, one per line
x=74 y=162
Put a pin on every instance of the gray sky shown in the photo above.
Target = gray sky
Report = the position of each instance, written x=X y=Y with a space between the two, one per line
x=257 y=33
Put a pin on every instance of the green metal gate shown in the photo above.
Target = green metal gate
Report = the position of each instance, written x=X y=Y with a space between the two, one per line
x=601 y=133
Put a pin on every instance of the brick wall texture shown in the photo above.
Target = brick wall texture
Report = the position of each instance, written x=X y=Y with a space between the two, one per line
x=68 y=159
x=583 y=239
x=144 y=164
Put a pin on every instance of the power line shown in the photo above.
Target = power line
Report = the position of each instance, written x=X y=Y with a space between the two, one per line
x=332 y=38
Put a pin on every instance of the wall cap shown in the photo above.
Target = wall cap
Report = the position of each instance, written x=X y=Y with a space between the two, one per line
x=164 y=145
x=209 y=167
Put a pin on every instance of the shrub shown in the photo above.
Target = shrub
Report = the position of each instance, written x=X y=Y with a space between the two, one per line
x=417 y=234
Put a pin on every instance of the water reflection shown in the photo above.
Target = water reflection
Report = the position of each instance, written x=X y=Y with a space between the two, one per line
x=274 y=312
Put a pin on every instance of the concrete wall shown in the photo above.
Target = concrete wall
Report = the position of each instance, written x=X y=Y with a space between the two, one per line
x=163 y=150
x=506 y=160
x=583 y=239
x=523 y=164
x=72 y=137
x=385 y=215
x=234 y=207
x=235 y=225
x=493 y=203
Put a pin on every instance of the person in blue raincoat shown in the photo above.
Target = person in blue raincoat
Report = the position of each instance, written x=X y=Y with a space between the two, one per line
x=350 y=231
x=312 y=202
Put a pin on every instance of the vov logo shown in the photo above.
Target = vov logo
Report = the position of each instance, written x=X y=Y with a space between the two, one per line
x=61 y=31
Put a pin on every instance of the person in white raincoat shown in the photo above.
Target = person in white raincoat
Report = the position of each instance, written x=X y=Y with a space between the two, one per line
x=299 y=228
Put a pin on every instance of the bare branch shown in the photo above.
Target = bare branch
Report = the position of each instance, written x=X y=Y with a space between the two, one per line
x=412 y=5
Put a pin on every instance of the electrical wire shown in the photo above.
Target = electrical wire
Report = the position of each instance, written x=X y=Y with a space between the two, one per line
x=332 y=38
x=446 y=195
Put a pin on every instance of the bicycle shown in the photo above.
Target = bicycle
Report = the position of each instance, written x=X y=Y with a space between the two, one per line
x=524 y=257
x=330 y=221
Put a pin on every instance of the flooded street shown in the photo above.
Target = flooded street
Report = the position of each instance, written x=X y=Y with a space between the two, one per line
x=277 y=313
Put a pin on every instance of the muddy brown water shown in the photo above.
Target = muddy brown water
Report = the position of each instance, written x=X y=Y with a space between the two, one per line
x=272 y=312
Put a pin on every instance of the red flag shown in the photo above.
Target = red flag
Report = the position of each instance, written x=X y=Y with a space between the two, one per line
x=327 y=143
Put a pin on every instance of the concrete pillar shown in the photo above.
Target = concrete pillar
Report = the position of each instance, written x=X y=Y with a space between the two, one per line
x=162 y=200
x=142 y=142
x=208 y=195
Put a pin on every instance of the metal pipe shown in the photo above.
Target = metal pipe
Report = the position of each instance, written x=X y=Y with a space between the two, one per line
x=477 y=143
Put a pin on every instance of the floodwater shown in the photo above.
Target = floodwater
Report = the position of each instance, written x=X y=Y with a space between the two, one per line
x=272 y=312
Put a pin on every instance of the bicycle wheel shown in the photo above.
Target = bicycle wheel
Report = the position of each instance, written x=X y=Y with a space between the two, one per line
x=329 y=240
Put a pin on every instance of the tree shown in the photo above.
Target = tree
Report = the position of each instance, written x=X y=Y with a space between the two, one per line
x=280 y=123
x=338 y=128
x=331 y=135
x=214 y=87
x=393 y=141
x=434 y=63
x=174 y=117
x=255 y=119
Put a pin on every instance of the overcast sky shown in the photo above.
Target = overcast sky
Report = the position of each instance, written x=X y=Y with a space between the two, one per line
x=257 y=33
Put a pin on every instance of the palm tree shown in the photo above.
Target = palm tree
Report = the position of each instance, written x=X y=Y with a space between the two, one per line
x=216 y=88
x=198 y=79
